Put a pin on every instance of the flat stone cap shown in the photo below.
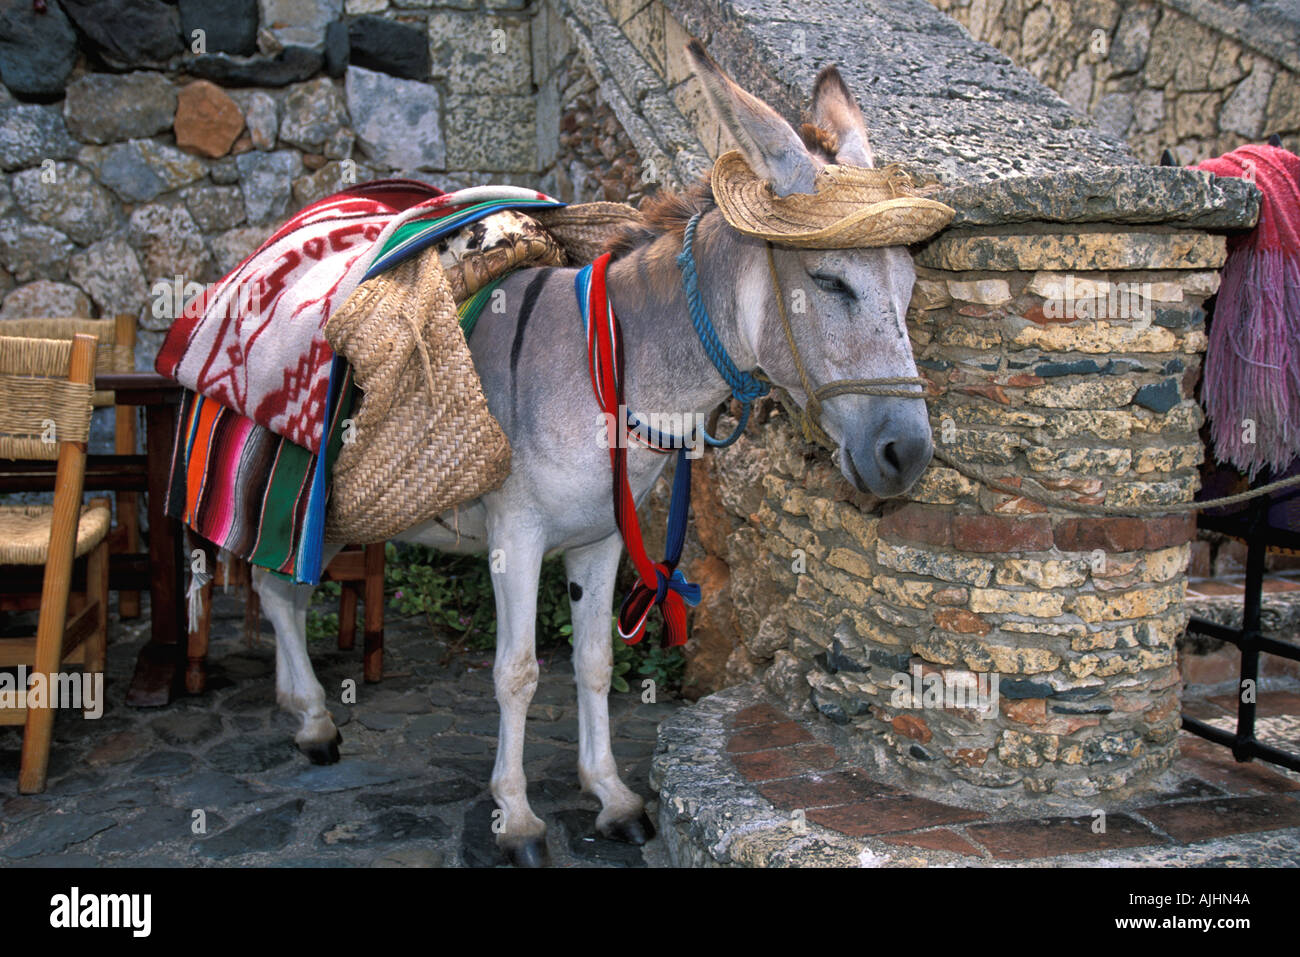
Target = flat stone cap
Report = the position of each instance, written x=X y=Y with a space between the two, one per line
x=931 y=94
x=959 y=112
x=1170 y=195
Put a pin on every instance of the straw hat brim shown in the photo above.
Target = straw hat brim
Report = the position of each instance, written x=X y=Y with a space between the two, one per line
x=852 y=208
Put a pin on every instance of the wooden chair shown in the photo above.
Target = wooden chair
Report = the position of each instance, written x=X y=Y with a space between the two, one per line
x=116 y=353
x=358 y=568
x=45 y=407
x=363 y=565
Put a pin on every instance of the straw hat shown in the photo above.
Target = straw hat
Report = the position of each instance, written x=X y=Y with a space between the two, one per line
x=853 y=207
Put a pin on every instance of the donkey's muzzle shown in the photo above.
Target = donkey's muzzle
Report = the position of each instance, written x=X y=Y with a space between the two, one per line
x=892 y=451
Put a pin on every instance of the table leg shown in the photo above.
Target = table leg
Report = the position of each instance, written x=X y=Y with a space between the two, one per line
x=160 y=666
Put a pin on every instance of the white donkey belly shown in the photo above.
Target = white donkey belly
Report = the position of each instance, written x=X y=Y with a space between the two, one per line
x=572 y=507
x=462 y=530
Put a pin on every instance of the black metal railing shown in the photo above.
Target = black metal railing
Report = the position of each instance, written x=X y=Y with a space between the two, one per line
x=1252 y=525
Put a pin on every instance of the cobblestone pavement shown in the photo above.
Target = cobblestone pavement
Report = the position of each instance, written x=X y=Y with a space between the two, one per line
x=411 y=790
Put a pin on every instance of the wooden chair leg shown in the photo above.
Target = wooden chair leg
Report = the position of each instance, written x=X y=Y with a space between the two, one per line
x=348 y=617
x=374 y=616
x=128 y=516
x=196 y=668
x=56 y=586
x=37 y=733
x=49 y=640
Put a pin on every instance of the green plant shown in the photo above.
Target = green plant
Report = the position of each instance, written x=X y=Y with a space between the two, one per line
x=454 y=594
x=665 y=666
x=322 y=625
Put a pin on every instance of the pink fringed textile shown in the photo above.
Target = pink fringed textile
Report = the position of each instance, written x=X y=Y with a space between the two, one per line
x=1252 y=366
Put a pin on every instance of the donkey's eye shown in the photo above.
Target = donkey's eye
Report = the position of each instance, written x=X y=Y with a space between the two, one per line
x=832 y=284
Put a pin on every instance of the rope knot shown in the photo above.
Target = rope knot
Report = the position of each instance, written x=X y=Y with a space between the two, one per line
x=676 y=582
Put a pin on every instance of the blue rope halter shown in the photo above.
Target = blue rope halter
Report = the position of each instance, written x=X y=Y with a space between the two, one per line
x=744 y=386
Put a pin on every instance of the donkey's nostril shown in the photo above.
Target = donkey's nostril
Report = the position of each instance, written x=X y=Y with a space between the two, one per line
x=889 y=458
x=899 y=457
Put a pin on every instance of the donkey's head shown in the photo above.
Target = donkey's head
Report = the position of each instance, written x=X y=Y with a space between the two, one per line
x=846 y=306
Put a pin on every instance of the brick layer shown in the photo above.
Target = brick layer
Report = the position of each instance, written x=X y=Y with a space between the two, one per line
x=801 y=775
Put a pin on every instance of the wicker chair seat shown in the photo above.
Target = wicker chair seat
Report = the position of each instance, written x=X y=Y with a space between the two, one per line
x=25 y=532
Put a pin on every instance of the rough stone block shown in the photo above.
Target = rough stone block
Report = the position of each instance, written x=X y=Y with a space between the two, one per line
x=477 y=54
x=943 y=565
x=491 y=133
x=397 y=125
x=104 y=108
x=1077 y=251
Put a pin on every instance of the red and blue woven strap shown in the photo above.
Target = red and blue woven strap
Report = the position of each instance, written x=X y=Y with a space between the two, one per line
x=658 y=583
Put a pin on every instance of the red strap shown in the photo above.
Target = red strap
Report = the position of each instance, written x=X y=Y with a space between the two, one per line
x=605 y=362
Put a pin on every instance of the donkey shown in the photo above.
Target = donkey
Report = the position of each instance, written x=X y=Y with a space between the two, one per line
x=533 y=364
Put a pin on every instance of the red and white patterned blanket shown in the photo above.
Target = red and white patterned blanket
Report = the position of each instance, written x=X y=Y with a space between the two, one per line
x=253 y=340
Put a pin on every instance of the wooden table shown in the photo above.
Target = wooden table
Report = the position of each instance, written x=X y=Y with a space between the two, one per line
x=160 y=666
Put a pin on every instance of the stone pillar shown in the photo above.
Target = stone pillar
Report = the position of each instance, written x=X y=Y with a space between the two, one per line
x=1065 y=370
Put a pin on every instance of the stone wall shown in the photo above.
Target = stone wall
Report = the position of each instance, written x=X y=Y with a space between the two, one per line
x=583 y=152
x=1199 y=77
x=1077 y=616
x=611 y=100
x=142 y=141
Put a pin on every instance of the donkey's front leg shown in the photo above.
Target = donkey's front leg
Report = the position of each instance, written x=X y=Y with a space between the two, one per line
x=297 y=690
x=592 y=570
x=515 y=556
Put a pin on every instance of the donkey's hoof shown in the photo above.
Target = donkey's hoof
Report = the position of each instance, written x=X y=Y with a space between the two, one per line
x=529 y=852
x=630 y=830
x=322 y=752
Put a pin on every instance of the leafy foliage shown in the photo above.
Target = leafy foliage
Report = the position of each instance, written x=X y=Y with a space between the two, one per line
x=324 y=625
x=454 y=594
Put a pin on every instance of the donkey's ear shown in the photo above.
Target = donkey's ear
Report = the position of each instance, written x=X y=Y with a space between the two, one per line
x=836 y=112
x=769 y=143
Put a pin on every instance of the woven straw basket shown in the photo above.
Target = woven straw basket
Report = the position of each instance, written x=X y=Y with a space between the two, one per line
x=584 y=229
x=425 y=438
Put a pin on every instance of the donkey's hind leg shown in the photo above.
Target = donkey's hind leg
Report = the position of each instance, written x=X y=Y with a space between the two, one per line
x=515 y=555
x=297 y=690
x=592 y=570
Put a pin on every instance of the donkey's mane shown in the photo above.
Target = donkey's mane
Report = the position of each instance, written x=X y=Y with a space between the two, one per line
x=668 y=212
x=662 y=214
